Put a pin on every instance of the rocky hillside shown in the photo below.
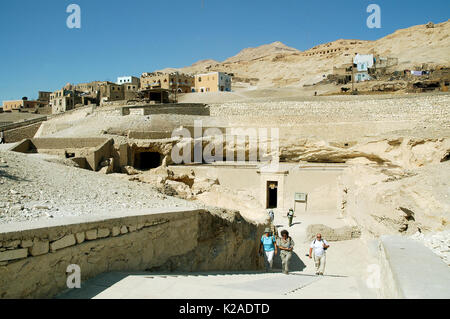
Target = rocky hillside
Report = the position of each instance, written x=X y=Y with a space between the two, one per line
x=277 y=65
x=262 y=51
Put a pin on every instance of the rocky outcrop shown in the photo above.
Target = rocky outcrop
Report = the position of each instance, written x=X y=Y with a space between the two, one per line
x=226 y=241
x=202 y=190
x=406 y=152
x=390 y=201
x=402 y=152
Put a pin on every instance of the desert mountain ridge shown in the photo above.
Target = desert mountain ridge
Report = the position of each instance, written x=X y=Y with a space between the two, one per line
x=249 y=54
x=278 y=65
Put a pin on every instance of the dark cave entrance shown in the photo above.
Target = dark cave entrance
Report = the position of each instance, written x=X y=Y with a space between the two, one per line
x=147 y=160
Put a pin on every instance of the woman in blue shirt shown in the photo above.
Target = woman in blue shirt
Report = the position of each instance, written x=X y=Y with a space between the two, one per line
x=269 y=244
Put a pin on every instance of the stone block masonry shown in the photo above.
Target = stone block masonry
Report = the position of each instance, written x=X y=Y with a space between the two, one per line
x=13 y=254
x=23 y=132
x=93 y=150
x=34 y=255
x=17 y=131
x=64 y=242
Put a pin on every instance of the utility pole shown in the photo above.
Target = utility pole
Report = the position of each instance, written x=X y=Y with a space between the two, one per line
x=353 y=77
x=176 y=88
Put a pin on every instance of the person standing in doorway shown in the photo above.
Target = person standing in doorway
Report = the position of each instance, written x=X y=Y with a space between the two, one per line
x=269 y=246
x=286 y=246
x=319 y=246
x=2 y=137
x=290 y=216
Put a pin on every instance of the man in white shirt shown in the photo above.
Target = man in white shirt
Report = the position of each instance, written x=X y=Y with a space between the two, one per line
x=319 y=246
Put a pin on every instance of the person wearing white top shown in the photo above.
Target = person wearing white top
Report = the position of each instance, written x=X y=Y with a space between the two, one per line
x=319 y=246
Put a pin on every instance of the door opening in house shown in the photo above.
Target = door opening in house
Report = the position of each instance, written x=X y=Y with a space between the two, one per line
x=272 y=194
x=147 y=160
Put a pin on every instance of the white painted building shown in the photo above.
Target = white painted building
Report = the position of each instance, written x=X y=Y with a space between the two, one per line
x=363 y=61
x=128 y=80
x=362 y=76
x=213 y=82
x=224 y=82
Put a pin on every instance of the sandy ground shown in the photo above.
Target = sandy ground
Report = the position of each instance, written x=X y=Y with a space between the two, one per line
x=36 y=186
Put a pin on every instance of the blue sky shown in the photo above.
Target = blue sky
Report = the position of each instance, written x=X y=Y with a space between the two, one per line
x=117 y=37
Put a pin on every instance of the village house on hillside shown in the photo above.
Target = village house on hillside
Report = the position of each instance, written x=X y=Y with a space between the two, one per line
x=44 y=96
x=364 y=67
x=156 y=86
x=363 y=63
x=180 y=82
x=64 y=100
x=118 y=92
x=213 y=82
x=128 y=80
x=23 y=104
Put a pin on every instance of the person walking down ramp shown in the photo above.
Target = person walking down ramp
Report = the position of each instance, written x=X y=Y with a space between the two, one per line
x=271 y=215
x=286 y=246
x=319 y=246
x=290 y=216
x=269 y=245
x=2 y=137
x=272 y=225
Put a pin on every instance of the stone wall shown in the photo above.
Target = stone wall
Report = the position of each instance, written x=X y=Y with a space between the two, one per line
x=94 y=150
x=34 y=256
x=58 y=143
x=339 y=118
x=332 y=234
x=409 y=270
x=173 y=108
x=19 y=133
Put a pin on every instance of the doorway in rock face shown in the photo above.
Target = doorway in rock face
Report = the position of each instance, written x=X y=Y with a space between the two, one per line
x=272 y=194
x=147 y=160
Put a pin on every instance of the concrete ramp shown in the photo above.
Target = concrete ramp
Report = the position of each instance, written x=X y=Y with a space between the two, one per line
x=415 y=271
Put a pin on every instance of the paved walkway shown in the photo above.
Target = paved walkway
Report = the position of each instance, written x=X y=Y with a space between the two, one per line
x=344 y=276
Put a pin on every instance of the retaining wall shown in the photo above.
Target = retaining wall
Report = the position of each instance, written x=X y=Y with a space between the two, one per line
x=95 y=150
x=34 y=256
x=173 y=108
x=20 y=131
x=409 y=270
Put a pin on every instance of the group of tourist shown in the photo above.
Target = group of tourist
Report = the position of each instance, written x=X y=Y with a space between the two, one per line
x=271 y=244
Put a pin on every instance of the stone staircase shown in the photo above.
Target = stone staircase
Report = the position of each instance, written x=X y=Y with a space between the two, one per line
x=192 y=285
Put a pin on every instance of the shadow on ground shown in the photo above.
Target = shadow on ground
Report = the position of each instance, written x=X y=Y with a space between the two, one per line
x=94 y=286
x=4 y=174
x=295 y=264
